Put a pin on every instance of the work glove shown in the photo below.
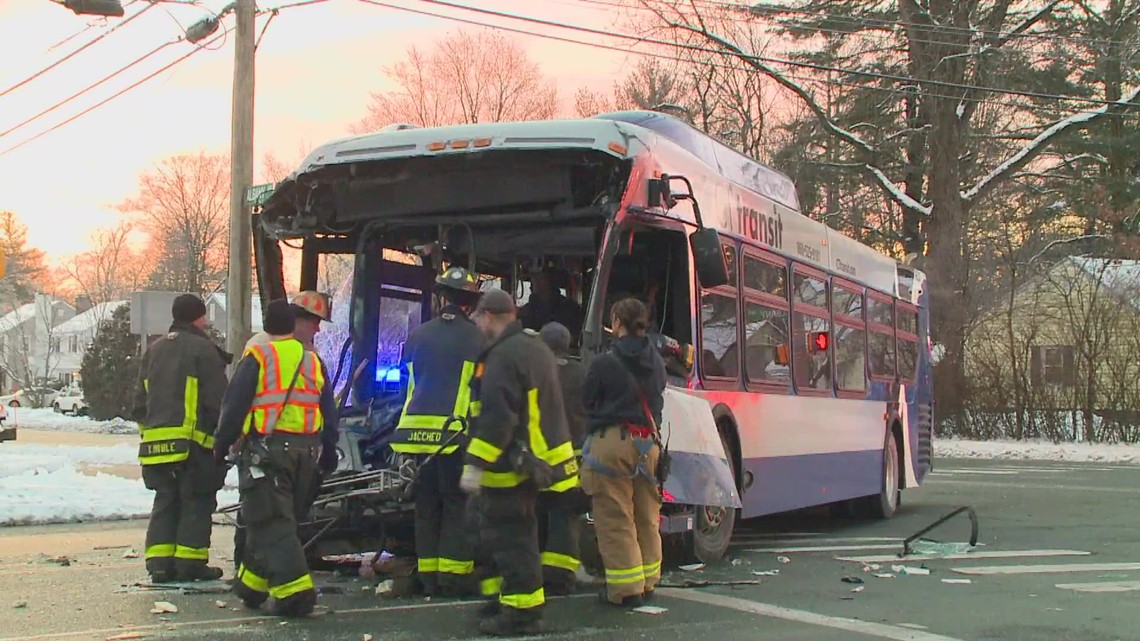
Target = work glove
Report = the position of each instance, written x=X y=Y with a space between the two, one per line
x=472 y=480
x=327 y=460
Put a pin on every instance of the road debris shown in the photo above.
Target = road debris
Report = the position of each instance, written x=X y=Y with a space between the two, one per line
x=884 y=575
x=164 y=607
x=650 y=609
x=130 y=554
x=386 y=588
x=366 y=637
x=783 y=559
x=765 y=572
x=692 y=567
x=20 y=605
x=957 y=581
x=859 y=589
x=127 y=635
x=906 y=569
x=700 y=583
x=736 y=562
x=852 y=579
x=220 y=604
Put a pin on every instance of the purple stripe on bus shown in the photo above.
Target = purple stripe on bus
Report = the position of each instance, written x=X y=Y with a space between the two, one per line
x=785 y=483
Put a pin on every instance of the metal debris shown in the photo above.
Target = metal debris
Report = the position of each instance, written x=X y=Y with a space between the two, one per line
x=20 y=605
x=164 y=607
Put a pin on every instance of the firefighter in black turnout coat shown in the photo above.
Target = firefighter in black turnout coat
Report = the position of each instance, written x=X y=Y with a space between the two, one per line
x=439 y=357
x=519 y=446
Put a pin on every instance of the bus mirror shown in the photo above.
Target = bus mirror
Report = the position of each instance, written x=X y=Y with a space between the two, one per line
x=708 y=258
x=659 y=194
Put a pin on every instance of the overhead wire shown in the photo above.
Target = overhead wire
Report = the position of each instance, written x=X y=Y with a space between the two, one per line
x=767 y=59
x=98 y=22
x=81 y=49
x=664 y=56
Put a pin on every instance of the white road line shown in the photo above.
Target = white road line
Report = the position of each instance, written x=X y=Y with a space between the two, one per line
x=827 y=548
x=842 y=540
x=985 y=554
x=956 y=472
x=1046 y=569
x=780 y=535
x=1105 y=586
x=1041 y=486
x=880 y=630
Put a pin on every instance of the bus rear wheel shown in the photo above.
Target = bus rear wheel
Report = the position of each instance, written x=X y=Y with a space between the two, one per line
x=886 y=503
x=712 y=530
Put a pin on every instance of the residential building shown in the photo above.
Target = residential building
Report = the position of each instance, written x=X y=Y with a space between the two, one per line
x=216 y=313
x=30 y=350
x=76 y=334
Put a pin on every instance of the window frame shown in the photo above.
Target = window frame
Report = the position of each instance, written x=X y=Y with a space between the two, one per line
x=771 y=301
x=908 y=337
x=732 y=293
x=852 y=322
x=815 y=312
x=879 y=328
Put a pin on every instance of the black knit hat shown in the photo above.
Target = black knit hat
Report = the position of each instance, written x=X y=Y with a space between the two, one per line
x=187 y=308
x=556 y=336
x=280 y=319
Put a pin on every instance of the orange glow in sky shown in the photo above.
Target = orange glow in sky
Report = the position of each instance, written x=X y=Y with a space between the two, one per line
x=316 y=67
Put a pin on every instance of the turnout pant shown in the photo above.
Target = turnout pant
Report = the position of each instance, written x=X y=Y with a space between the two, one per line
x=443 y=547
x=185 y=497
x=239 y=531
x=626 y=509
x=560 y=558
x=272 y=495
x=508 y=547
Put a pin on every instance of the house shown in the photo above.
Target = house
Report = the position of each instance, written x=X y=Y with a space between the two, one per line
x=29 y=348
x=216 y=313
x=1062 y=349
x=76 y=334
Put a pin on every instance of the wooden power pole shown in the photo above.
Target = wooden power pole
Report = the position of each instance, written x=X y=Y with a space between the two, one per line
x=239 y=287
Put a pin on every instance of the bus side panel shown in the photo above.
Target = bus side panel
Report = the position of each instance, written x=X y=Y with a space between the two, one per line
x=805 y=451
x=700 y=474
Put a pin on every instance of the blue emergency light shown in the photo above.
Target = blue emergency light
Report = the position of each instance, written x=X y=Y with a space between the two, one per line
x=389 y=375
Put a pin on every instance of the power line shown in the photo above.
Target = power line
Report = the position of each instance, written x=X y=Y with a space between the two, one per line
x=662 y=56
x=77 y=51
x=90 y=86
x=97 y=22
x=113 y=96
x=768 y=60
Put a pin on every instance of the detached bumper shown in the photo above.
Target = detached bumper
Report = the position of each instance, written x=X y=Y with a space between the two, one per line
x=7 y=433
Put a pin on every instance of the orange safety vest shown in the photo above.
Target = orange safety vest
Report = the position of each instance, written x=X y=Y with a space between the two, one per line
x=302 y=414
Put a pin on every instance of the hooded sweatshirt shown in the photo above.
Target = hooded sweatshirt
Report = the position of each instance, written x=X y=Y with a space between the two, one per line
x=608 y=394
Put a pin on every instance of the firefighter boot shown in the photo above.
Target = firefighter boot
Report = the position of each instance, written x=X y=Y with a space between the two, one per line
x=199 y=573
x=251 y=598
x=510 y=624
x=300 y=604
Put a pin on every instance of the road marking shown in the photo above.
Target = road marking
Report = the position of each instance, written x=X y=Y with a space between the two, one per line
x=880 y=630
x=850 y=540
x=778 y=535
x=1105 y=586
x=233 y=621
x=1046 y=569
x=1028 y=486
x=827 y=548
x=993 y=472
x=985 y=554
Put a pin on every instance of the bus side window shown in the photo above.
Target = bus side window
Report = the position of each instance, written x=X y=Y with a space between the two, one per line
x=881 y=339
x=720 y=350
x=811 y=368
x=850 y=338
x=767 y=357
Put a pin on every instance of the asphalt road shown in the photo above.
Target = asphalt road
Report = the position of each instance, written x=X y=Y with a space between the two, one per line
x=1059 y=559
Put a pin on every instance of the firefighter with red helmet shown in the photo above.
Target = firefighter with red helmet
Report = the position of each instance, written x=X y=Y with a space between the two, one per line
x=439 y=358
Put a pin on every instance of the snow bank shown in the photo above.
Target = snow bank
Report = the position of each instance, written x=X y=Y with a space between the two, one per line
x=48 y=419
x=1037 y=451
x=40 y=484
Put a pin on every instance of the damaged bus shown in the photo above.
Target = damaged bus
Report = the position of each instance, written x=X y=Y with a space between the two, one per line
x=798 y=359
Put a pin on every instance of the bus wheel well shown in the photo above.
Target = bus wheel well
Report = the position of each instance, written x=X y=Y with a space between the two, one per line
x=726 y=426
x=897 y=434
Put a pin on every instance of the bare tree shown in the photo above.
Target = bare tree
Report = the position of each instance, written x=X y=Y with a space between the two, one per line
x=111 y=269
x=465 y=78
x=183 y=206
x=31 y=349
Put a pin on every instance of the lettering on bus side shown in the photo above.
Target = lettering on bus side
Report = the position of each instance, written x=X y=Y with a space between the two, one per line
x=764 y=228
x=808 y=252
x=845 y=268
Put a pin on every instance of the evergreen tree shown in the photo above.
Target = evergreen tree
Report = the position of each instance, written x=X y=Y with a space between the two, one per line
x=25 y=265
x=110 y=367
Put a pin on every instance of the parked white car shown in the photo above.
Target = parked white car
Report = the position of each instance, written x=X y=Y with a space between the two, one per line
x=70 y=401
x=30 y=397
x=6 y=433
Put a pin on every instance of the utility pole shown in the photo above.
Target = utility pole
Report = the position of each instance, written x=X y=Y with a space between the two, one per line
x=239 y=288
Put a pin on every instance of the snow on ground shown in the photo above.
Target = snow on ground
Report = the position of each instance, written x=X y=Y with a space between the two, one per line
x=1037 y=451
x=42 y=484
x=48 y=419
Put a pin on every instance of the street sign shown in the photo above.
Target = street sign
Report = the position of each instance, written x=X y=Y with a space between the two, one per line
x=258 y=194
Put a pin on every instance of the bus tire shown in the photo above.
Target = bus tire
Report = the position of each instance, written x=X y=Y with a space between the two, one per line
x=712 y=529
x=885 y=504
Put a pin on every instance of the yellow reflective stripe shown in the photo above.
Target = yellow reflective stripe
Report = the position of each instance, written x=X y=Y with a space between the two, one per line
x=491 y=586
x=475 y=408
x=561 y=561
x=564 y=452
x=160 y=551
x=451 y=566
x=484 y=450
x=463 y=396
x=419 y=448
x=538 y=443
x=252 y=581
x=523 y=601
x=153 y=434
x=193 y=554
x=427 y=565
x=411 y=388
x=426 y=422
x=305 y=582
x=566 y=484
x=190 y=403
x=626 y=576
x=164 y=458
x=203 y=439
x=502 y=479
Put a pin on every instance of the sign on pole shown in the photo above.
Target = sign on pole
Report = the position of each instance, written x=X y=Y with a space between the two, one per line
x=258 y=194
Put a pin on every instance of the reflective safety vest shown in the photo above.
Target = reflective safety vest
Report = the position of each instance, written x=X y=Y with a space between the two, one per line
x=279 y=360
x=171 y=444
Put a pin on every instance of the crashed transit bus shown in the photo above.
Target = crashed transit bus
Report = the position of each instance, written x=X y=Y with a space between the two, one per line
x=798 y=359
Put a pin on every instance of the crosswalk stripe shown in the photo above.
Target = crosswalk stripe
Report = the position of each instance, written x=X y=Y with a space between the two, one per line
x=984 y=554
x=1046 y=569
x=827 y=548
x=1103 y=586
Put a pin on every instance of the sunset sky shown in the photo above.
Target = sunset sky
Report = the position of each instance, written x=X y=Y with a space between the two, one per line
x=316 y=66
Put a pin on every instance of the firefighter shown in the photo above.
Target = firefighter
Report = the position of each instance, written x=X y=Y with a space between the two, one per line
x=439 y=357
x=519 y=445
x=177 y=402
x=278 y=403
x=624 y=397
x=310 y=308
x=560 y=560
